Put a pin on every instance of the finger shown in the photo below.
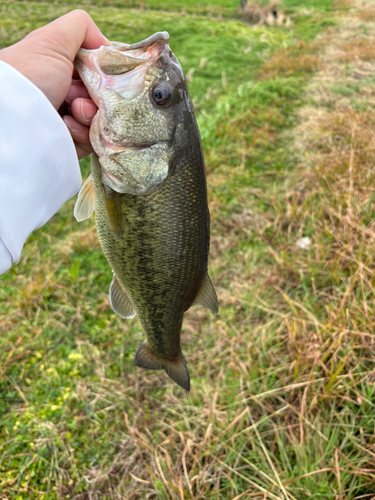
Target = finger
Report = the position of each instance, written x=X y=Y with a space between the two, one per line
x=77 y=89
x=73 y=31
x=83 y=110
x=80 y=136
x=82 y=150
x=79 y=132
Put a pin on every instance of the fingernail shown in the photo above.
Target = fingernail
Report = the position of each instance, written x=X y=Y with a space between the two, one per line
x=82 y=113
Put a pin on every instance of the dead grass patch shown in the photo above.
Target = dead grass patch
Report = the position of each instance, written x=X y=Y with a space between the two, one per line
x=356 y=49
x=365 y=10
x=343 y=3
x=331 y=199
x=79 y=241
x=288 y=61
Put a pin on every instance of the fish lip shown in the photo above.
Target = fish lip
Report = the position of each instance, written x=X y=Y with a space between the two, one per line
x=130 y=145
x=159 y=37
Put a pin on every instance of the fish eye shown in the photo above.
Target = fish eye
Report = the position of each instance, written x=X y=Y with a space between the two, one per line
x=161 y=94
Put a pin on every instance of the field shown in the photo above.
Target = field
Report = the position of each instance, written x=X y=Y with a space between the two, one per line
x=282 y=403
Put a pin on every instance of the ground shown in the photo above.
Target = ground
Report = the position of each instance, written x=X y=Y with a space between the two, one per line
x=282 y=402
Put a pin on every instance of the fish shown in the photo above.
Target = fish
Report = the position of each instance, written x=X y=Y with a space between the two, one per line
x=148 y=189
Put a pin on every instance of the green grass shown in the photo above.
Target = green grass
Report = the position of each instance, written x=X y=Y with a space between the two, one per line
x=282 y=402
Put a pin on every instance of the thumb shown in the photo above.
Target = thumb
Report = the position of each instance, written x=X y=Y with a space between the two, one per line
x=73 y=31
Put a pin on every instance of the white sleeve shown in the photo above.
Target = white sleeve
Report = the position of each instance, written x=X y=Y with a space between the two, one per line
x=39 y=169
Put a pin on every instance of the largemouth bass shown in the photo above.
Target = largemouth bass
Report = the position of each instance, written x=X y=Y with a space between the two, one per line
x=148 y=190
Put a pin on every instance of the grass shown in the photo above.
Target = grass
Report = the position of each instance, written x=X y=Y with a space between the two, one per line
x=282 y=403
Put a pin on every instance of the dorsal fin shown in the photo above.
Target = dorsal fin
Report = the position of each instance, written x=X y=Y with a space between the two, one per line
x=119 y=300
x=85 y=204
x=207 y=296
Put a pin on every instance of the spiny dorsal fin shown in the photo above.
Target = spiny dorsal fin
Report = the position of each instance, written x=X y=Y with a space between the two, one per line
x=175 y=368
x=207 y=296
x=119 y=300
x=85 y=204
x=113 y=206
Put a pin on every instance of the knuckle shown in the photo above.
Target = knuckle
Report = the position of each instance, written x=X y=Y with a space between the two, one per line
x=82 y=15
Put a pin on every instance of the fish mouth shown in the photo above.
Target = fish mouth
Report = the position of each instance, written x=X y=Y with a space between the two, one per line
x=123 y=68
x=108 y=146
x=150 y=48
x=138 y=53
x=125 y=145
x=121 y=58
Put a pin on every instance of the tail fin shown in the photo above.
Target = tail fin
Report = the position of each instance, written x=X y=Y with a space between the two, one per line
x=175 y=368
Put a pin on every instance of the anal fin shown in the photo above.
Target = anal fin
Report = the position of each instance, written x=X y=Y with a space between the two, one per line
x=119 y=300
x=207 y=296
x=85 y=204
x=175 y=368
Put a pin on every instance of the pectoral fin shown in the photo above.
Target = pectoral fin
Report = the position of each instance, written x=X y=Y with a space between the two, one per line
x=85 y=204
x=207 y=296
x=119 y=300
x=113 y=207
x=175 y=368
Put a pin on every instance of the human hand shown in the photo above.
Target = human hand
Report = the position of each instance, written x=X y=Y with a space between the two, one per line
x=45 y=56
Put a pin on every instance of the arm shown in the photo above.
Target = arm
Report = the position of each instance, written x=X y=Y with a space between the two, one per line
x=39 y=168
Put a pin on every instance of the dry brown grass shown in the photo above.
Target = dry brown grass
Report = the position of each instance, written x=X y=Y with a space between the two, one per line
x=356 y=49
x=343 y=3
x=299 y=59
x=331 y=199
x=364 y=10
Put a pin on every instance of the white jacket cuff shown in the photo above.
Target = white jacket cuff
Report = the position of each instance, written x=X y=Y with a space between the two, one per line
x=39 y=169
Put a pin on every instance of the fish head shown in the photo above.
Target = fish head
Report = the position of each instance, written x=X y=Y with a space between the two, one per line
x=144 y=113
